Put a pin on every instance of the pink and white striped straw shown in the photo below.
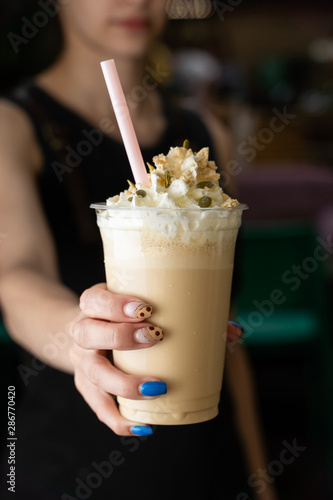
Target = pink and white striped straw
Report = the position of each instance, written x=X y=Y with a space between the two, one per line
x=124 y=121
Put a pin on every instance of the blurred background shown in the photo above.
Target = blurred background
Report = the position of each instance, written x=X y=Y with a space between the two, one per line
x=265 y=70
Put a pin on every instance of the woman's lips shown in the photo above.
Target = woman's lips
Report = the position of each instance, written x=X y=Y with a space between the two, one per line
x=134 y=24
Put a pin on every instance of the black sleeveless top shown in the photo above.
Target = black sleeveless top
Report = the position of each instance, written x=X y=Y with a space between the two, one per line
x=63 y=451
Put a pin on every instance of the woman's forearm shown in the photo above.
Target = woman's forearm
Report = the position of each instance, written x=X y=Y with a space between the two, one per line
x=242 y=388
x=37 y=312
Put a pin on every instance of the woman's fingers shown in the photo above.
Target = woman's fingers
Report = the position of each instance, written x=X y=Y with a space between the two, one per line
x=97 y=379
x=111 y=321
x=235 y=331
x=106 y=409
x=98 y=302
x=97 y=334
x=96 y=367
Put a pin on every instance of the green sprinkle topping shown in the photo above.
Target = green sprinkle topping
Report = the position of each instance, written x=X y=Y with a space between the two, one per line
x=205 y=202
x=141 y=193
x=167 y=178
x=130 y=198
x=204 y=184
x=186 y=144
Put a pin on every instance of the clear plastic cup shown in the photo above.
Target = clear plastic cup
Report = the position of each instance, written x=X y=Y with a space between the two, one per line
x=180 y=261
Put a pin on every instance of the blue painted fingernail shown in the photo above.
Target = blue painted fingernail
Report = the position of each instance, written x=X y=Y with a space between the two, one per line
x=141 y=430
x=153 y=388
x=238 y=326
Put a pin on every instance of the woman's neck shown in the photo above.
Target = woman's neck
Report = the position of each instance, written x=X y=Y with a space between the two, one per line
x=76 y=80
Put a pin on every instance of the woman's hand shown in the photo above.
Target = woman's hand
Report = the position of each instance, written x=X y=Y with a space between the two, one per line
x=110 y=321
x=114 y=322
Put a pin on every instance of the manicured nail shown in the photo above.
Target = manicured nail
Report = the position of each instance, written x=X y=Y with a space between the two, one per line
x=138 y=310
x=141 y=430
x=153 y=388
x=238 y=326
x=148 y=334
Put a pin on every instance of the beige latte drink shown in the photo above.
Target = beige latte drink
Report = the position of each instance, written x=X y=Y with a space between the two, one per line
x=161 y=245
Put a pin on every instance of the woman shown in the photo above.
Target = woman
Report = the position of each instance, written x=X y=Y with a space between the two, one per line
x=60 y=151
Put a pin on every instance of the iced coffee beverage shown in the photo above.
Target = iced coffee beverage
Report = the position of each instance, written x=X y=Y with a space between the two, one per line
x=172 y=244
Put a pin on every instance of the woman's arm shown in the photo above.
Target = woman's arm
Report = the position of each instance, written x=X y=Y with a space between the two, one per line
x=35 y=305
x=240 y=380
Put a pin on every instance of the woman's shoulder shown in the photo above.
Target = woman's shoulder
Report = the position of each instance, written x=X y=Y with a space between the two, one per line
x=14 y=122
x=186 y=114
x=205 y=128
x=186 y=123
x=17 y=135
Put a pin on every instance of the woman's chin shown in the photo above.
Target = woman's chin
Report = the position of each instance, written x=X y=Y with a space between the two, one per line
x=129 y=52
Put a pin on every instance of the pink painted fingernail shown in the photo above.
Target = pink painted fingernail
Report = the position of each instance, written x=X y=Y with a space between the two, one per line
x=138 y=310
x=148 y=334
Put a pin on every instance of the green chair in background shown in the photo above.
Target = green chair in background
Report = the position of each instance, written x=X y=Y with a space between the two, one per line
x=283 y=306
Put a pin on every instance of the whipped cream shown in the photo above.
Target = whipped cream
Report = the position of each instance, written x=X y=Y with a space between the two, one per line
x=181 y=179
